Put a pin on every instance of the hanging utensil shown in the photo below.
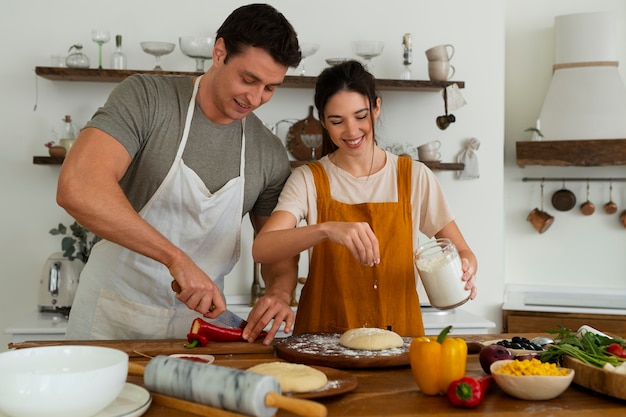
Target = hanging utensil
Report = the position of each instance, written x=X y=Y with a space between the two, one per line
x=444 y=121
x=587 y=208
x=563 y=199
x=610 y=207
x=540 y=220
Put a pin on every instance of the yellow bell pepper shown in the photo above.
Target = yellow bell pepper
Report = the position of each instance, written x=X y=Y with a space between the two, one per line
x=437 y=361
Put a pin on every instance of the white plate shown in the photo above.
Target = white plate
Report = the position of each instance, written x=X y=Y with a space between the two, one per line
x=133 y=401
x=207 y=358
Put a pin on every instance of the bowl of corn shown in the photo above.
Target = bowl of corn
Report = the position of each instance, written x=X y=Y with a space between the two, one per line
x=531 y=379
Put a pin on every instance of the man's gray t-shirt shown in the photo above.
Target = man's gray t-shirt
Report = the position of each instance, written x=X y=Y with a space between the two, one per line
x=146 y=114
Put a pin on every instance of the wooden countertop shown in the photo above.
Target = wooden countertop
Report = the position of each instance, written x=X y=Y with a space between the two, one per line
x=380 y=392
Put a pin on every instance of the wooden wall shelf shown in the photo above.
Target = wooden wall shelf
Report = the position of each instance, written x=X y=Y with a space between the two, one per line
x=291 y=81
x=585 y=153
x=435 y=166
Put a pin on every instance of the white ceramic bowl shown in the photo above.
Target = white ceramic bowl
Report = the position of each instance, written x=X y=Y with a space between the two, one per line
x=531 y=387
x=60 y=381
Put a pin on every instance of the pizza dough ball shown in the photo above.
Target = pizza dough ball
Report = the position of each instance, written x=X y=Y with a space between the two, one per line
x=293 y=377
x=366 y=338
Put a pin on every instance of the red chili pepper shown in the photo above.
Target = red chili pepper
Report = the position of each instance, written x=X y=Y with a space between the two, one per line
x=616 y=349
x=202 y=332
x=468 y=392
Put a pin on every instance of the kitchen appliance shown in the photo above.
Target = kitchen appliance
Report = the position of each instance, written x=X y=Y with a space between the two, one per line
x=58 y=283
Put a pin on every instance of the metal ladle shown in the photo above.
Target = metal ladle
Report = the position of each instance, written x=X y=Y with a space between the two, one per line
x=610 y=207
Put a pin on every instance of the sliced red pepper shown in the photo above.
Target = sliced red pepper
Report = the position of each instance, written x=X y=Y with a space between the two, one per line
x=616 y=349
x=468 y=392
x=202 y=332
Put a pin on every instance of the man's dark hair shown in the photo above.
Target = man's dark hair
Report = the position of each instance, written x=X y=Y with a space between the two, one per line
x=261 y=26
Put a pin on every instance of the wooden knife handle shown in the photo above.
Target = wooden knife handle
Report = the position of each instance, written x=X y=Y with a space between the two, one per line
x=297 y=406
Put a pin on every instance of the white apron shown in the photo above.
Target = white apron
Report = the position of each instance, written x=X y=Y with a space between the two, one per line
x=125 y=295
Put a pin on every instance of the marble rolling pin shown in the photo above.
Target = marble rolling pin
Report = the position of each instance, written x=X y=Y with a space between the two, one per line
x=221 y=387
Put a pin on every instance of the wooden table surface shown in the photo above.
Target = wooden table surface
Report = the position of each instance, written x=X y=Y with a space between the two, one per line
x=380 y=392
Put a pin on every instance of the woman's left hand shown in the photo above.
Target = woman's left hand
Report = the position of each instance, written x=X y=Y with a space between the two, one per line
x=469 y=276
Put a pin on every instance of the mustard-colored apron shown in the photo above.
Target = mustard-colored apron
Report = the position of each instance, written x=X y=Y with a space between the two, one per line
x=341 y=294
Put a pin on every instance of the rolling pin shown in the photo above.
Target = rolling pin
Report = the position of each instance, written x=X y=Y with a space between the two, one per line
x=221 y=387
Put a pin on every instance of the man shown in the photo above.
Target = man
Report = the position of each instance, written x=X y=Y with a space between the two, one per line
x=164 y=172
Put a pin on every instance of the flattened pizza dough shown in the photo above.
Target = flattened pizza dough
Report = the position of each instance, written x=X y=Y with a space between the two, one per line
x=369 y=338
x=293 y=377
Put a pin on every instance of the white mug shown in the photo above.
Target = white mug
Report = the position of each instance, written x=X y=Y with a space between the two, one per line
x=440 y=70
x=430 y=146
x=429 y=156
x=440 y=53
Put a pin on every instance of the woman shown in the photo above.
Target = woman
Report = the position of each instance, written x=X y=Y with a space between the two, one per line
x=364 y=208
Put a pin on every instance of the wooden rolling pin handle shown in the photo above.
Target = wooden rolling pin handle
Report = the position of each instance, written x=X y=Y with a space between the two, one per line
x=135 y=368
x=297 y=406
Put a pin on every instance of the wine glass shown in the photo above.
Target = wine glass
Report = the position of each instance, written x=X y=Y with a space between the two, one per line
x=157 y=49
x=199 y=48
x=100 y=37
x=368 y=50
x=312 y=141
x=307 y=49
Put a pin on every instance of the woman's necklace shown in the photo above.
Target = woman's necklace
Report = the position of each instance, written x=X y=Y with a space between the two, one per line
x=333 y=159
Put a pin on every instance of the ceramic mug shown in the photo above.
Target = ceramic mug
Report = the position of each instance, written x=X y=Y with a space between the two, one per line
x=430 y=146
x=440 y=70
x=443 y=52
x=429 y=156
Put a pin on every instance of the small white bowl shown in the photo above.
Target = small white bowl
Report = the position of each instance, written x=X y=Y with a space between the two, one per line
x=531 y=387
x=60 y=381
x=207 y=359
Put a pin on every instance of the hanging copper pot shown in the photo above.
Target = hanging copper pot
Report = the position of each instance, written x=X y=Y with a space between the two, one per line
x=563 y=199
x=587 y=208
x=610 y=207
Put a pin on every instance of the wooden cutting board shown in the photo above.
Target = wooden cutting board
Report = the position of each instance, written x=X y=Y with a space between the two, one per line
x=597 y=379
x=323 y=349
x=310 y=125
x=139 y=348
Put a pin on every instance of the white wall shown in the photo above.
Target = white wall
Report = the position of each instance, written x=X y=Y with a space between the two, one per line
x=577 y=251
x=35 y=29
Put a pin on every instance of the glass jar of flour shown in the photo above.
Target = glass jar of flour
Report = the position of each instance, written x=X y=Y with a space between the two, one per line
x=439 y=266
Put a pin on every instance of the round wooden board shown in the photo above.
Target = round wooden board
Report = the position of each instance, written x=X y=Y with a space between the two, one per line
x=323 y=349
x=339 y=382
x=597 y=379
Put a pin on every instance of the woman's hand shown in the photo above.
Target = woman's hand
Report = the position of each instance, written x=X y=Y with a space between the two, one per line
x=358 y=238
x=469 y=276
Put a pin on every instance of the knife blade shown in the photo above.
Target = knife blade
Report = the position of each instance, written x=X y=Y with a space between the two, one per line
x=227 y=318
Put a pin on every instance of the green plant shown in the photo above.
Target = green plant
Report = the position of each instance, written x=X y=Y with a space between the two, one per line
x=78 y=245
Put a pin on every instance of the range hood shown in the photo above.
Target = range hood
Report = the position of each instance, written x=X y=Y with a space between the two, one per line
x=587 y=97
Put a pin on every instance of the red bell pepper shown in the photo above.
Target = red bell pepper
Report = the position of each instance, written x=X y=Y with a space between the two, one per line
x=617 y=350
x=468 y=392
x=202 y=332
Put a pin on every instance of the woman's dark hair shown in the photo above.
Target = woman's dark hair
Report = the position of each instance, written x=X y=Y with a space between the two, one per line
x=346 y=76
x=261 y=26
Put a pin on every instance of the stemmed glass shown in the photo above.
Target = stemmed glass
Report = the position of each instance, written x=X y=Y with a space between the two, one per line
x=157 y=49
x=368 y=50
x=199 y=48
x=100 y=37
x=312 y=141
x=306 y=50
